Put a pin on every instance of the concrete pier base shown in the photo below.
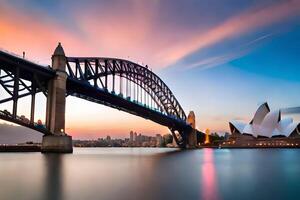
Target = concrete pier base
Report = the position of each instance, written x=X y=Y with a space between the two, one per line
x=57 y=144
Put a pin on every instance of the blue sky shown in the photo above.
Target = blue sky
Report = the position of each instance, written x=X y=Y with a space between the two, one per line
x=220 y=58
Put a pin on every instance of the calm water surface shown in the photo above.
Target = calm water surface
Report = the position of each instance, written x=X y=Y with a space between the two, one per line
x=137 y=173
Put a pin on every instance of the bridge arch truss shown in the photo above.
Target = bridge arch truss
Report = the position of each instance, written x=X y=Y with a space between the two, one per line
x=128 y=80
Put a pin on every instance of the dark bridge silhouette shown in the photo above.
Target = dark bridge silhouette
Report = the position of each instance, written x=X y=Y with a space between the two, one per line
x=116 y=83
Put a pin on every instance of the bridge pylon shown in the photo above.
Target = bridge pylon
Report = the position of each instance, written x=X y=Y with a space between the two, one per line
x=58 y=141
x=192 y=134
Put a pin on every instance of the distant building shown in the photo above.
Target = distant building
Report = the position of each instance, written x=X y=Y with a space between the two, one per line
x=159 y=140
x=153 y=142
x=135 y=137
x=168 y=138
x=226 y=136
x=131 y=136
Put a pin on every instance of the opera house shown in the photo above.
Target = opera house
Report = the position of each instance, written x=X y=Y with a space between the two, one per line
x=266 y=129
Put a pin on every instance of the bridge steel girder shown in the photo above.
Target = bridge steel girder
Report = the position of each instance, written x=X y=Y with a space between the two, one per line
x=21 y=78
x=135 y=73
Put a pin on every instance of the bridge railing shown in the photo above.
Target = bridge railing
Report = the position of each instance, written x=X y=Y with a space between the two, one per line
x=23 y=57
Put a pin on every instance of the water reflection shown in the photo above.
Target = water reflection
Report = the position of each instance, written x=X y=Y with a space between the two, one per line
x=53 y=176
x=147 y=174
x=209 y=178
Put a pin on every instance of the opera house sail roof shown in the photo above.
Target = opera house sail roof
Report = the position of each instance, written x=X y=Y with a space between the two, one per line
x=266 y=123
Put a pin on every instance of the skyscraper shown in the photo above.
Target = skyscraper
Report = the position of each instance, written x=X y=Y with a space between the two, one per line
x=139 y=138
x=131 y=136
x=159 y=140
x=135 y=137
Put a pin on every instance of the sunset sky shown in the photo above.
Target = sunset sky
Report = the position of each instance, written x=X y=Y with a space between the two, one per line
x=220 y=58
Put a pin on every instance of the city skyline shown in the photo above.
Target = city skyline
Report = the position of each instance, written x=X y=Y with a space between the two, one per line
x=220 y=66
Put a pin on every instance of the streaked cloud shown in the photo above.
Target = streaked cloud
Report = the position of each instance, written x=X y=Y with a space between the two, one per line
x=216 y=60
x=242 y=23
x=293 y=110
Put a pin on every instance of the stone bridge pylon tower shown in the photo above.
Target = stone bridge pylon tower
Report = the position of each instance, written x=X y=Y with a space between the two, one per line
x=192 y=136
x=58 y=141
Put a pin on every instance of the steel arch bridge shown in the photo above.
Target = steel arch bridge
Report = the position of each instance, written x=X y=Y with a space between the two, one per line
x=113 y=82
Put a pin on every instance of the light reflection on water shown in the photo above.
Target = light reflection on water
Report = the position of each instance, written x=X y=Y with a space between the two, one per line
x=209 y=183
x=137 y=173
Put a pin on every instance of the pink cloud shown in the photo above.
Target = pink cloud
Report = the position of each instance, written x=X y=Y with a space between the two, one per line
x=136 y=36
x=34 y=34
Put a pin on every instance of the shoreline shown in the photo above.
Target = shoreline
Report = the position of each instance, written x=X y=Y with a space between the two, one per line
x=20 y=148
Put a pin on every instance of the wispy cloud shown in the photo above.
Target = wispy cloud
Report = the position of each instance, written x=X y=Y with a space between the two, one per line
x=217 y=60
x=266 y=36
x=245 y=22
x=214 y=61
x=293 y=110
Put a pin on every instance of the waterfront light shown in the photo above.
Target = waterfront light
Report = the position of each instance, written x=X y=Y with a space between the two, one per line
x=207 y=133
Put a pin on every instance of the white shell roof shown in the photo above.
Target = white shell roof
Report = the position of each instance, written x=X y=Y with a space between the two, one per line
x=260 y=114
x=284 y=123
x=267 y=124
x=238 y=125
x=277 y=132
x=249 y=130
x=291 y=127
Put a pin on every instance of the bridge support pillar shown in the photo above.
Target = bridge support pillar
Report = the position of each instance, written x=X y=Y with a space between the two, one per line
x=58 y=141
x=57 y=144
x=192 y=135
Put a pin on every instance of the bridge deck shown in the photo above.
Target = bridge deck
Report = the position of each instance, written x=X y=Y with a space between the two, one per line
x=97 y=95
x=27 y=68
x=19 y=121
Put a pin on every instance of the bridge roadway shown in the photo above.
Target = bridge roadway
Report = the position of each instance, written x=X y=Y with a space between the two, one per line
x=17 y=120
x=86 y=91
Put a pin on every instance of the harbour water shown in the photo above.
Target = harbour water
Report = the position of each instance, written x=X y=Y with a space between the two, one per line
x=151 y=173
